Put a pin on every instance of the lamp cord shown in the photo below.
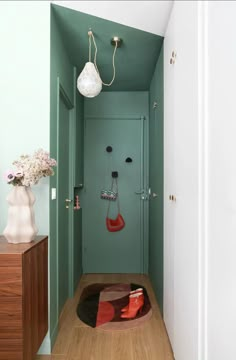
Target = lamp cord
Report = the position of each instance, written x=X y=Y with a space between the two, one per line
x=90 y=47
x=95 y=58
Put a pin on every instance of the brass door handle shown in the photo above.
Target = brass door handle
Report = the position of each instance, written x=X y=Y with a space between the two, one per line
x=172 y=198
x=173 y=57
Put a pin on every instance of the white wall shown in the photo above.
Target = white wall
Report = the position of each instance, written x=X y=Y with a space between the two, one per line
x=222 y=180
x=24 y=93
x=217 y=176
x=151 y=16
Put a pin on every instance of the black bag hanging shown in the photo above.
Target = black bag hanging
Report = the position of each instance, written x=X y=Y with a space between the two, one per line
x=118 y=223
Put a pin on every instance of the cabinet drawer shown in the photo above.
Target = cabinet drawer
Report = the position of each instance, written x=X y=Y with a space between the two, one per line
x=10 y=310
x=8 y=331
x=11 y=355
x=23 y=298
x=11 y=260
x=11 y=345
x=10 y=281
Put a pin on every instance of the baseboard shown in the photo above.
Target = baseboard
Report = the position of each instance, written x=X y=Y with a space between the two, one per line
x=45 y=348
x=48 y=342
x=54 y=335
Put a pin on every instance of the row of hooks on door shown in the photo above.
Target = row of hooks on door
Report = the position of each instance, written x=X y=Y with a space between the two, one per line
x=109 y=149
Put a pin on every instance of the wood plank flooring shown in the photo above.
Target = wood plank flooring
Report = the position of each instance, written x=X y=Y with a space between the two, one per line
x=77 y=341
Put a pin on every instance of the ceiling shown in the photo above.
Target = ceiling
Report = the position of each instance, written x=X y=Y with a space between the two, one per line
x=151 y=16
x=135 y=59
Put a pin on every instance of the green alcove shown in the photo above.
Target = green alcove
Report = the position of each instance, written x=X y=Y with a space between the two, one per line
x=138 y=70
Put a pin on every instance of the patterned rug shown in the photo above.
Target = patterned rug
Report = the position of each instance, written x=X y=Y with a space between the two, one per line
x=100 y=306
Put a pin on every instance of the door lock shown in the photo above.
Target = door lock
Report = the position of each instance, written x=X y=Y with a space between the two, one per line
x=143 y=194
x=67 y=201
x=152 y=195
x=139 y=192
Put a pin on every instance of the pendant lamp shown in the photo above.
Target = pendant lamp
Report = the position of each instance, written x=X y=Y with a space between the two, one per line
x=89 y=82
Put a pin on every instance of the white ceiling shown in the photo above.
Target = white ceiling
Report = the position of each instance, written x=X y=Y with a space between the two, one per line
x=151 y=16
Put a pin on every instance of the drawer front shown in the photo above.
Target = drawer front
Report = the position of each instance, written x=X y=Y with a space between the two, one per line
x=10 y=260
x=11 y=355
x=10 y=313
x=11 y=331
x=10 y=344
x=10 y=281
x=11 y=349
x=11 y=323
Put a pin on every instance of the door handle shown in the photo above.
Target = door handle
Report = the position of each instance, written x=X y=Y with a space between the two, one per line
x=68 y=201
x=139 y=192
x=172 y=198
x=142 y=193
x=152 y=195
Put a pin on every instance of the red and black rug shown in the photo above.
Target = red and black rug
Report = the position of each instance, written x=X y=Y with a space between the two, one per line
x=100 y=306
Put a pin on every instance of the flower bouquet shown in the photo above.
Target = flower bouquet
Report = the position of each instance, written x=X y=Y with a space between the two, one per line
x=28 y=171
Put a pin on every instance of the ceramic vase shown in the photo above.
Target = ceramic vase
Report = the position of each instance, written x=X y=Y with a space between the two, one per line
x=21 y=222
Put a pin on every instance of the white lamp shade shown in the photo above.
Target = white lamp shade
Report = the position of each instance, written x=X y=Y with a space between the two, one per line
x=89 y=82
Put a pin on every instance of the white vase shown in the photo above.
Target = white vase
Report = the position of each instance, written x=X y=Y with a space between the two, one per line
x=21 y=223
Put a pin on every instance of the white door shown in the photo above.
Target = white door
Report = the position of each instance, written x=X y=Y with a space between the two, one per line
x=169 y=180
x=181 y=180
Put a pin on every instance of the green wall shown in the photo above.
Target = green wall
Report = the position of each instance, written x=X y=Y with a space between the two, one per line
x=135 y=60
x=106 y=103
x=63 y=71
x=78 y=181
x=117 y=103
x=156 y=181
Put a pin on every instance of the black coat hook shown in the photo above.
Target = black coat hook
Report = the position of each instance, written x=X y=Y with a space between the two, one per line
x=109 y=149
x=114 y=174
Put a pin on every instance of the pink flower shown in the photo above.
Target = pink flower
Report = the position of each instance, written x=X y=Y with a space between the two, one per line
x=19 y=174
x=9 y=176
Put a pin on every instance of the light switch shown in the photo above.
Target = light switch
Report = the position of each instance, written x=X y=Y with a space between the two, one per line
x=53 y=193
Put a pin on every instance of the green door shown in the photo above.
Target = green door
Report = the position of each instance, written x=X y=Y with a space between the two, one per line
x=62 y=195
x=156 y=182
x=121 y=251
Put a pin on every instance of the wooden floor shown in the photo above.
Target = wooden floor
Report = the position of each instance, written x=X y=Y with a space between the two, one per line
x=77 y=341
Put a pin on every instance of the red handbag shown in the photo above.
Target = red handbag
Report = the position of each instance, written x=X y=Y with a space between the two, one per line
x=118 y=223
x=115 y=224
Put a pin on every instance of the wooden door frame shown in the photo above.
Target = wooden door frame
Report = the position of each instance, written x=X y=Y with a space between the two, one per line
x=62 y=93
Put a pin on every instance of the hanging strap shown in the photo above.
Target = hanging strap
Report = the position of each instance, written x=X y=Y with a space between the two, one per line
x=115 y=185
x=118 y=223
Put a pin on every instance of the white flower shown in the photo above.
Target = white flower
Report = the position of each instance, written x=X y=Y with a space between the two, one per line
x=30 y=169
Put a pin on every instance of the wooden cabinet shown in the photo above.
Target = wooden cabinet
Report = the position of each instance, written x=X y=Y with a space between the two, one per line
x=23 y=298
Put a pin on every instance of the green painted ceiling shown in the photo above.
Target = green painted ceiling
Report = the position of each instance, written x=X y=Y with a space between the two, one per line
x=135 y=60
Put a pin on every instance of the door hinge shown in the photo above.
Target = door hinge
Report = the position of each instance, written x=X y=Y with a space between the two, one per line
x=154 y=106
x=173 y=57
